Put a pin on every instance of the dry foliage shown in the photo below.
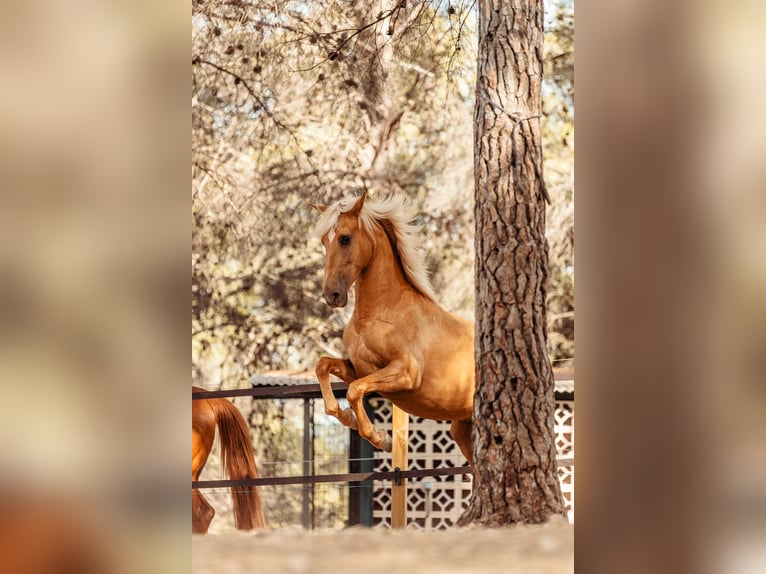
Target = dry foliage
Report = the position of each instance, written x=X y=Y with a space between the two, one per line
x=296 y=103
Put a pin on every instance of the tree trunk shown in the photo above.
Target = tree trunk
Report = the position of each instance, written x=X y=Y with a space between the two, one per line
x=515 y=474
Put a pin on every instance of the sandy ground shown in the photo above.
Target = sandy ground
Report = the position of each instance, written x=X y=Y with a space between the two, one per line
x=545 y=549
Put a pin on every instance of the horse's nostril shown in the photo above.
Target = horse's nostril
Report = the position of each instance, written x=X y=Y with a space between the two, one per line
x=335 y=298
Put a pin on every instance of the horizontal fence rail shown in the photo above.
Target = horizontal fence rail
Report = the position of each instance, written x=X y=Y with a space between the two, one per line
x=349 y=477
x=276 y=392
x=297 y=391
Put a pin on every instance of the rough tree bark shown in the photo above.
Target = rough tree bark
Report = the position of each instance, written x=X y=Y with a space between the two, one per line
x=515 y=476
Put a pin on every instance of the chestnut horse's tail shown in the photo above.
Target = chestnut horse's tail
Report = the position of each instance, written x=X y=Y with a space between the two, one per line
x=239 y=463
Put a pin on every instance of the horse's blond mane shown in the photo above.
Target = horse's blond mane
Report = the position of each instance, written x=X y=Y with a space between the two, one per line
x=397 y=212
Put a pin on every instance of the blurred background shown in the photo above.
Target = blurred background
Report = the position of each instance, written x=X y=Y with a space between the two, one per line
x=93 y=260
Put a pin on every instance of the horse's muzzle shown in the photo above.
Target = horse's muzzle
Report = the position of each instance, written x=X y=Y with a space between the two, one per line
x=336 y=298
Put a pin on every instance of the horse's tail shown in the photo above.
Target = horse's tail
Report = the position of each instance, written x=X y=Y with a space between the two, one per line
x=239 y=463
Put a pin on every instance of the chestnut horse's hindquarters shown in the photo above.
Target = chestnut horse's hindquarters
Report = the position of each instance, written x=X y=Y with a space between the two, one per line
x=236 y=458
x=203 y=435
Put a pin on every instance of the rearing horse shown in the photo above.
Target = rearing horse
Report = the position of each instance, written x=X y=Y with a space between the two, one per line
x=400 y=342
x=236 y=457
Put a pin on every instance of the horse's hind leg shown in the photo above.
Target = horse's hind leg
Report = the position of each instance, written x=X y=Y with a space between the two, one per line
x=461 y=433
x=345 y=370
x=203 y=434
x=202 y=513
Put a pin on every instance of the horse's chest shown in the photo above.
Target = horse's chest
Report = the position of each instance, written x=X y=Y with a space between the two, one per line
x=365 y=353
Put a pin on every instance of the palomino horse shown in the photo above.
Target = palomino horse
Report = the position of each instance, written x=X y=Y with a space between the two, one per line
x=236 y=457
x=400 y=342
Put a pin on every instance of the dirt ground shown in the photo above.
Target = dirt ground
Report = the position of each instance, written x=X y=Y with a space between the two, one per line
x=545 y=549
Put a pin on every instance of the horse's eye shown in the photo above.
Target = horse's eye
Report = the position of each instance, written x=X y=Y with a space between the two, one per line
x=344 y=239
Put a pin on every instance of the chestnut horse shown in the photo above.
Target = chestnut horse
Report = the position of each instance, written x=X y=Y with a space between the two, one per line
x=400 y=342
x=236 y=458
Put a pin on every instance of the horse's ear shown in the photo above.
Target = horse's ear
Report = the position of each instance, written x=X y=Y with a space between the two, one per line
x=358 y=205
x=319 y=208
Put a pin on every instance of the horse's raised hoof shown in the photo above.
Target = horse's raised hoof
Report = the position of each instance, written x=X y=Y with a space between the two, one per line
x=385 y=442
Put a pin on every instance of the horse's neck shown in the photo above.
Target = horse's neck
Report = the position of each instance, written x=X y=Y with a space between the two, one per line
x=382 y=283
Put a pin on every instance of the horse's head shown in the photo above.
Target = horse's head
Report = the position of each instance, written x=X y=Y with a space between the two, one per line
x=348 y=250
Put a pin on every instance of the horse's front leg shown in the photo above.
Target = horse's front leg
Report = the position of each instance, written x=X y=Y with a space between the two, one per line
x=396 y=376
x=343 y=369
